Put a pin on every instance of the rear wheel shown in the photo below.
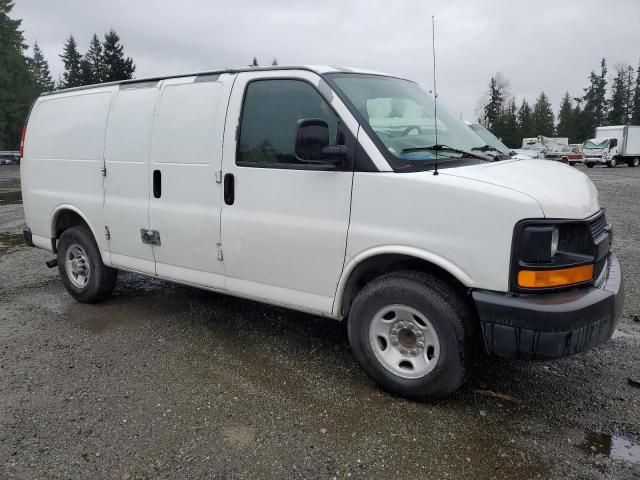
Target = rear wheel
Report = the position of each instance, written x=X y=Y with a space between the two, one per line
x=589 y=165
x=84 y=275
x=412 y=333
x=634 y=162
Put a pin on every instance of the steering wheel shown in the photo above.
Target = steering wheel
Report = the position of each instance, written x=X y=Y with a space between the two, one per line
x=410 y=128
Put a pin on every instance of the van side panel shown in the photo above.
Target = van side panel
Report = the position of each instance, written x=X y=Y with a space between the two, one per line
x=127 y=184
x=63 y=159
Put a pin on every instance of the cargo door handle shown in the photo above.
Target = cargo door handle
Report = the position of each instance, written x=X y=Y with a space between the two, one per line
x=229 y=189
x=157 y=183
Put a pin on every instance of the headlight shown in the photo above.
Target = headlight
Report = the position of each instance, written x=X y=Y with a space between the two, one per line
x=551 y=254
x=605 y=155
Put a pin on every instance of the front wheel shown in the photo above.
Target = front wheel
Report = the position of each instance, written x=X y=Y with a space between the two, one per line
x=589 y=165
x=413 y=335
x=84 y=275
x=612 y=163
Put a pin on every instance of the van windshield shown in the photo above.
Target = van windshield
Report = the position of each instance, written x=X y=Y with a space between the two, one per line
x=401 y=115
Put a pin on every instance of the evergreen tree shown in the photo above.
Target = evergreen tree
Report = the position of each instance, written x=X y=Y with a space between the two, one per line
x=94 y=70
x=86 y=72
x=254 y=62
x=617 y=113
x=40 y=70
x=628 y=98
x=71 y=59
x=525 y=121
x=116 y=65
x=543 y=118
x=274 y=63
x=594 y=111
x=494 y=106
x=582 y=130
x=17 y=86
x=566 y=120
x=635 y=111
x=508 y=125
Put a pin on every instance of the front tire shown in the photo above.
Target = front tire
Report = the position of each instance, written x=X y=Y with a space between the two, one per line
x=413 y=335
x=612 y=163
x=589 y=165
x=84 y=275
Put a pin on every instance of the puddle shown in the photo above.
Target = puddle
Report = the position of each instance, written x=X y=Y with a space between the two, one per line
x=8 y=240
x=613 y=446
x=10 y=197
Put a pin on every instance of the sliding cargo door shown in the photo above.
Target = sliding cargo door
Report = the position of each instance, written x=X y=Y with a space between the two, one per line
x=186 y=155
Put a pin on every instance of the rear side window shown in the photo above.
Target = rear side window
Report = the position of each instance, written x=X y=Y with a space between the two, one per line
x=270 y=117
x=69 y=127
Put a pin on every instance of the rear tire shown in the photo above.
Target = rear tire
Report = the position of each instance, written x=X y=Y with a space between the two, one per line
x=589 y=165
x=634 y=162
x=84 y=275
x=413 y=335
x=573 y=164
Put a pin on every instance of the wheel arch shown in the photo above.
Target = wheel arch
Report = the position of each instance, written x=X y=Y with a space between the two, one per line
x=65 y=216
x=370 y=264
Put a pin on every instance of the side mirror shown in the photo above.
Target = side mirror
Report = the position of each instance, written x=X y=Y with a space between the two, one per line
x=312 y=143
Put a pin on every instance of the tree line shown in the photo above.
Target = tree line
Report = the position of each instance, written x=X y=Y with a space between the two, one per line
x=23 y=78
x=600 y=104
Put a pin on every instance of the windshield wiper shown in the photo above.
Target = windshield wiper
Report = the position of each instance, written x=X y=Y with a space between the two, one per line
x=440 y=147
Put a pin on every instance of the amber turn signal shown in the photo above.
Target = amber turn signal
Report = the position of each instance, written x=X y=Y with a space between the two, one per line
x=555 y=278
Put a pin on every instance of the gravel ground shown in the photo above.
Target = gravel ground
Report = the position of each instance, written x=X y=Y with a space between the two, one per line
x=164 y=381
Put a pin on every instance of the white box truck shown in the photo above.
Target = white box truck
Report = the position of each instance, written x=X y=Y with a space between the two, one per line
x=295 y=186
x=612 y=146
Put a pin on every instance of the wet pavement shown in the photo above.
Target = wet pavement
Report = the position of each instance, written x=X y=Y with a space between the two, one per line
x=165 y=381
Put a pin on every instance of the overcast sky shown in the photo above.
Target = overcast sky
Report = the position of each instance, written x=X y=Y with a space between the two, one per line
x=537 y=44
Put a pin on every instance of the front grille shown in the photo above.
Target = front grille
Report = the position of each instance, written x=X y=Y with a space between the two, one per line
x=598 y=226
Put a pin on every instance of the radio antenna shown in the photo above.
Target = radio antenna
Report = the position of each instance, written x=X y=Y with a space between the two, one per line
x=435 y=90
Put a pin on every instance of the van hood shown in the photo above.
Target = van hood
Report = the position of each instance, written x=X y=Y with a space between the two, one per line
x=561 y=190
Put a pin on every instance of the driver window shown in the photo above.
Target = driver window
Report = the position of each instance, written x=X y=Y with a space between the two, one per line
x=269 y=123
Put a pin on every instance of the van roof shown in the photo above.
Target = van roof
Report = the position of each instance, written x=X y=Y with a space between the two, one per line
x=320 y=69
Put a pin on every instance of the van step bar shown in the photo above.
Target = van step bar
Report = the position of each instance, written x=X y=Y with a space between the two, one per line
x=52 y=263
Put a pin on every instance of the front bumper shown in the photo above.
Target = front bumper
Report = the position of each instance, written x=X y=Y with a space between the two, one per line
x=552 y=325
x=595 y=160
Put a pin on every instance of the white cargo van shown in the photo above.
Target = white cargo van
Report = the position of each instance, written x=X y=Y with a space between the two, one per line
x=612 y=146
x=332 y=191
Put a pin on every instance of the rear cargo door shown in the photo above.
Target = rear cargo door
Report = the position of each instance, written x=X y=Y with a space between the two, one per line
x=127 y=176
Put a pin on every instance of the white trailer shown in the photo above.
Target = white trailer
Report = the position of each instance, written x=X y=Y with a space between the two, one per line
x=613 y=145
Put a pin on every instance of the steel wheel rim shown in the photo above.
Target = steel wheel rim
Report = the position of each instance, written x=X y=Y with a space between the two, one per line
x=635 y=162
x=404 y=341
x=77 y=266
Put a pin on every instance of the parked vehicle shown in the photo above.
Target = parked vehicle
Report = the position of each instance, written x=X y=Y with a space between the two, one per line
x=324 y=190
x=493 y=142
x=531 y=152
x=565 y=154
x=9 y=158
x=540 y=141
x=613 y=145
